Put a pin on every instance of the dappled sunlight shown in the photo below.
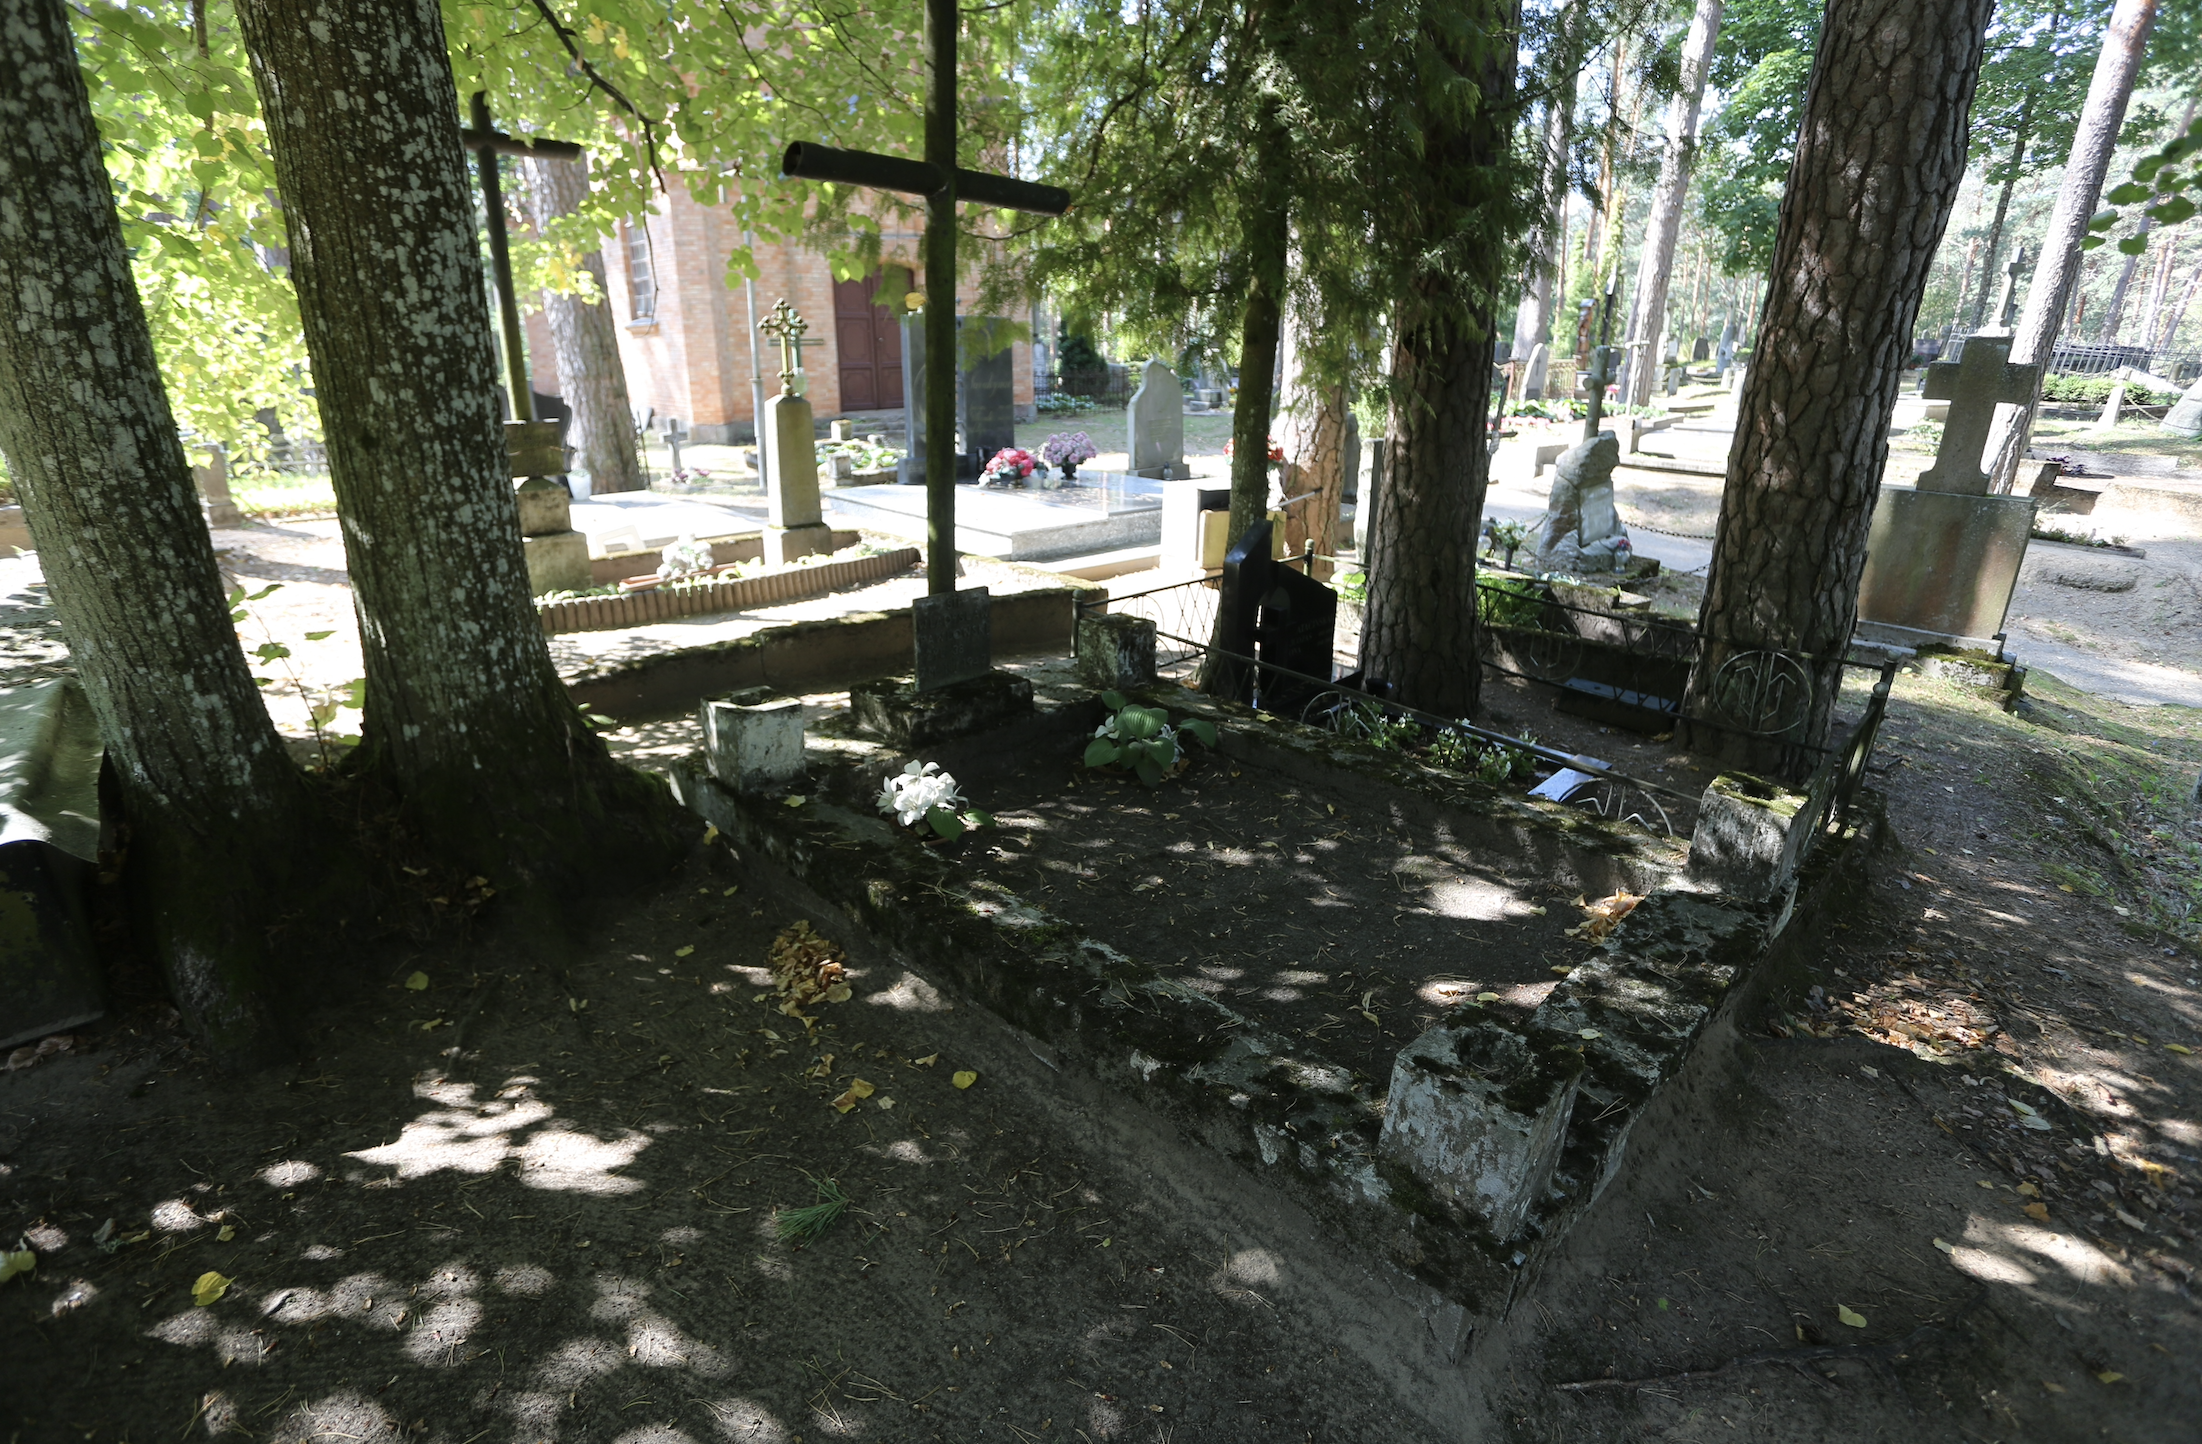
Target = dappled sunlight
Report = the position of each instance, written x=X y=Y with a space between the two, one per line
x=910 y=993
x=467 y=1136
x=2017 y=1253
x=746 y=1421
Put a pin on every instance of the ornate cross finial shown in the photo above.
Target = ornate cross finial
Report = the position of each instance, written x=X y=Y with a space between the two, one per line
x=787 y=328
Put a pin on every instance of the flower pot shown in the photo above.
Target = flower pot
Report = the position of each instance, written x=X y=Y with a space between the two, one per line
x=1070 y=472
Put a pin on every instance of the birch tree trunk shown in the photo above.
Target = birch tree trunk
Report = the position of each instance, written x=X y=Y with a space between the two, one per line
x=1418 y=629
x=1880 y=156
x=221 y=842
x=1648 y=314
x=586 y=339
x=2049 y=293
x=465 y=718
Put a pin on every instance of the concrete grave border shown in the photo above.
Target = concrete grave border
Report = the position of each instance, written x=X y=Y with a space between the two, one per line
x=1557 y=1095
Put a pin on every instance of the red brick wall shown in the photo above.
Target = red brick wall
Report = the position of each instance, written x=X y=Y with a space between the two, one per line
x=694 y=361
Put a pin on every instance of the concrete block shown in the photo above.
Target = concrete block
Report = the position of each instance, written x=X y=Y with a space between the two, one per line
x=1750 y=836
x=752 y=740
x=558 y=562
x=532 y=448
x=785 y=545
x=546 y=506
x=1478 y=1117
x=895 y=712
x=1115 y=652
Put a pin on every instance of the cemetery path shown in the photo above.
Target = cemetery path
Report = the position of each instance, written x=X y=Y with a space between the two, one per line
x=1946 y=1187
x=568 y=1225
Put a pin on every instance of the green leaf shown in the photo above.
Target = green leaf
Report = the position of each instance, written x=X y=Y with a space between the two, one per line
x=319 y=636
x=1100 y=752
x=2145 y=169
x=1115 y=701
x=975 y=818
x=944 y=822
x=2103 y=221
x=2131 y=193
x=1138 y=723
x=2089 y=243
x=2133 y=245
x=271 y=651
x=267 y=591
x=16 y=1262
x=1149 y=773
x=2173 y=211
x=1202 y=732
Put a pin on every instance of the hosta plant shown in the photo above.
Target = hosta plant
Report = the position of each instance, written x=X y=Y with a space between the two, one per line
x=926 y=799
x=1141 y=740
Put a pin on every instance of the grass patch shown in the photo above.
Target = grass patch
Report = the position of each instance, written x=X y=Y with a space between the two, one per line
x=804 y=1225
x=282 y=493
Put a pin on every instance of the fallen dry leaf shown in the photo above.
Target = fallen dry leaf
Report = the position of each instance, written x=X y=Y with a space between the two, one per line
x=925 y=1062
x=211 y=1286
x=859 y=1090
x=806 y=969
x=965 y=1078
x=1603 y=916
x=2039 y=1212
x=418 y=982
x=1849 y=1316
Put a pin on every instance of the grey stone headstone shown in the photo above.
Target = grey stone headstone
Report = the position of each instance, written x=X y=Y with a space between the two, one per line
x=1155 y=422
x=2185 y=419
x=1582 y=526
x=212 y=480
x=1973 y=385
x=1116 y=651
x=1538 y=372
x=952 y=637
x=986 y=401
x=910 y=471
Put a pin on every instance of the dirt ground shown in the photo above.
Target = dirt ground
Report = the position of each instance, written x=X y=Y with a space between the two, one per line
x=537 y=1198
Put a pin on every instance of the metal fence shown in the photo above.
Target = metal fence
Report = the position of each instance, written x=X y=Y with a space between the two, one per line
x=2084 y=358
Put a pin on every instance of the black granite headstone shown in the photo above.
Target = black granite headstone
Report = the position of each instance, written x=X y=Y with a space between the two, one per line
x=1281 y=617
x=952 y=637
x=986 y=401
x=910 y=471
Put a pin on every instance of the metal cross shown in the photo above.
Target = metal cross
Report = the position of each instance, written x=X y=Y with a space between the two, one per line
x=787 y=328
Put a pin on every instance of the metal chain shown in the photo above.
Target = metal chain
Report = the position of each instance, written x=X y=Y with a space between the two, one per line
x=1634 y=525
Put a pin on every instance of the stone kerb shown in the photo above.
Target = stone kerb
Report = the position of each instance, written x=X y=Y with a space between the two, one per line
x=1494 y=1135
x=596 y=614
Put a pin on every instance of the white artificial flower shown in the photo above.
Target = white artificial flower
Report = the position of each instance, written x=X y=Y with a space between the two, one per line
x=683 y=558
x=917 y=790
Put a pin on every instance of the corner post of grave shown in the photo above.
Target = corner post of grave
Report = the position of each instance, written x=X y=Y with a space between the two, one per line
x=941 y=22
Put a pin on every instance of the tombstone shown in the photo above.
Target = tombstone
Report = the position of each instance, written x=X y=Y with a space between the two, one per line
x=49 y=848
x=1279 y=616
x=839 y=430
x=1724 y=354
x=1942 y=559
x=1701 y=349
x=2185 y=418
x=1537 y=372
x=1735 y=379
x=952 y=637
x=676 y=436
x=557 y=556
x=1674 y=381
x=212 y=481
x=1116 y=651
x=1193 y=514
x=986 y=403
x=1155 y=423
x=986 y=398
x=1349 y=486
x=794 y=523
x=1582 y=528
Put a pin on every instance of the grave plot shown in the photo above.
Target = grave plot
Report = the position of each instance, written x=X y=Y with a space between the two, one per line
x=1313 y=910
x=1319 y=958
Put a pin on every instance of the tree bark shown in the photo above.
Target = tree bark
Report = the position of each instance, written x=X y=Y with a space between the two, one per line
x=1533 y=320
x=465 y=718
x=1418 y=629
x=2170 y=330
x=2125 y=40
x=221 y=829
x=2115 y=309
x=2159 y=290
x=1314 y=445
x=587 y=342
x=1880 y=156
x=1648 y=315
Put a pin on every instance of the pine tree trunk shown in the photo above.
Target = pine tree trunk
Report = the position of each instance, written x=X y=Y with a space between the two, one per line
x=1880 y=156
x=2003 y=213
x=221 y=837
x=1533 y=322
x=2050 y=292
x=1648 y=316
x=1314 y=443
x=465 y=718
x=2114 y=311
x=2170 y=330
x=586 y=339
x=2159 y=290
x=1418 y=629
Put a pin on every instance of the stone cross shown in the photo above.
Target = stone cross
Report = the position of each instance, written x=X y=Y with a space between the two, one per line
x=787 y=328
x=1973 y=384
x=2007 y=298
x=676 y=436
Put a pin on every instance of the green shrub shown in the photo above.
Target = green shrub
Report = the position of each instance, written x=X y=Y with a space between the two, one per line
x=1507 y=601
x=2095 y=390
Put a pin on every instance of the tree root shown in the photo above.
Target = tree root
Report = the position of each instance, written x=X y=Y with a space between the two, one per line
x=1870 y=1353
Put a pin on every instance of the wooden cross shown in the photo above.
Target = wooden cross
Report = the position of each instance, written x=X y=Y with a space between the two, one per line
x=1972 y=384
x=942 y=183
x=787 y=328
x=488 y=143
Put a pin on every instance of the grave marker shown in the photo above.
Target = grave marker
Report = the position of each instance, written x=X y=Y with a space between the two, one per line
x=1981 y=377
x=952 y=637
x=1538 y=371
x=942 y=182
x=212 y=481
x=794 y=523
x=1155 y=423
